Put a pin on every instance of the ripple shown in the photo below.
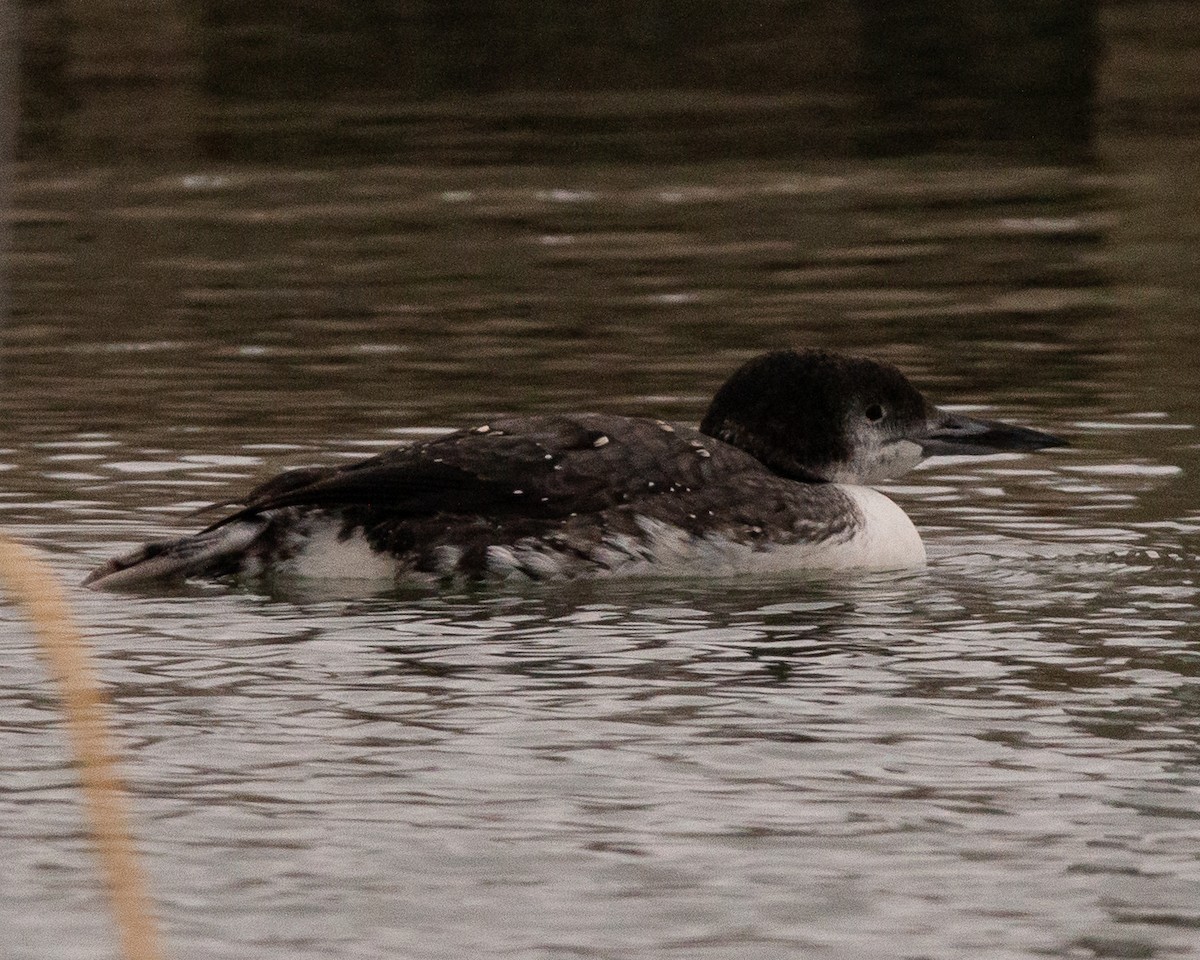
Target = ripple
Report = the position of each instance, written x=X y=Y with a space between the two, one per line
x=993 y=755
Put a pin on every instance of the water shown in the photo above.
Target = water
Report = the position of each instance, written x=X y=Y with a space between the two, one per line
x=992 y=757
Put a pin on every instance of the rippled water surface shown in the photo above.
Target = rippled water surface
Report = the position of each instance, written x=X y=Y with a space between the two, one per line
x=995 y=756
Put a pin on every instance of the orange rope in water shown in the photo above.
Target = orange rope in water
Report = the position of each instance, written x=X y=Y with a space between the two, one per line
x=35 y=589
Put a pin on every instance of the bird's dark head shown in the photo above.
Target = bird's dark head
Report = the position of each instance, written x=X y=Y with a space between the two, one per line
x=819 y=416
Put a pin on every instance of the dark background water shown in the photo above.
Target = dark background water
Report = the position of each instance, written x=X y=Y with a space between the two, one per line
x=250 y=236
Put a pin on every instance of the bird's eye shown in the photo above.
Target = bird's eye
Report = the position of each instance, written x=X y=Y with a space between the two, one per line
x=874 y=413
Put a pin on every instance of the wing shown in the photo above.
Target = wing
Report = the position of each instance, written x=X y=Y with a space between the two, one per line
x=543 y=467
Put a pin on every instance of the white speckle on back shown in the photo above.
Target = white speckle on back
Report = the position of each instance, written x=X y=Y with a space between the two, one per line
x=600 y=442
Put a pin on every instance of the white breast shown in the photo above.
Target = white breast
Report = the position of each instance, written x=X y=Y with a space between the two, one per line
x=887 y=539
x=884 y=539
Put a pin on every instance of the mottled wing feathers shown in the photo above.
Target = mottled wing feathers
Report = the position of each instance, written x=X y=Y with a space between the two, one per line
x=521 y=466
x=406 y=487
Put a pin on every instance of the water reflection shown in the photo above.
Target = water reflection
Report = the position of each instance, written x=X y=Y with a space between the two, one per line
x=507 y=82
x=470 y=768
x=994 y=755
x=371 y=296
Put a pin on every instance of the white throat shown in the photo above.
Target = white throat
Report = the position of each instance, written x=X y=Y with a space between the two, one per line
x=873 y=462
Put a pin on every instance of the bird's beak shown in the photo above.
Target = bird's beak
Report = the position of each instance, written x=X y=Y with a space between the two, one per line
x=952 y=433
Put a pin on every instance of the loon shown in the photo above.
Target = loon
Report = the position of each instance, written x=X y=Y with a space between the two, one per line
x=776 y=478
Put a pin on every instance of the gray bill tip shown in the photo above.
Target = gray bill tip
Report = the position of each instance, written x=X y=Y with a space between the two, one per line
x=953 y=433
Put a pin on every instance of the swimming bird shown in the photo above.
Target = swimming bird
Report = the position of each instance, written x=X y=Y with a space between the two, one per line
x=776 y=478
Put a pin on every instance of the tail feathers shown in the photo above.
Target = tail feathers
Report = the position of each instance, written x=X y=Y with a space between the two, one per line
x=208 y=552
